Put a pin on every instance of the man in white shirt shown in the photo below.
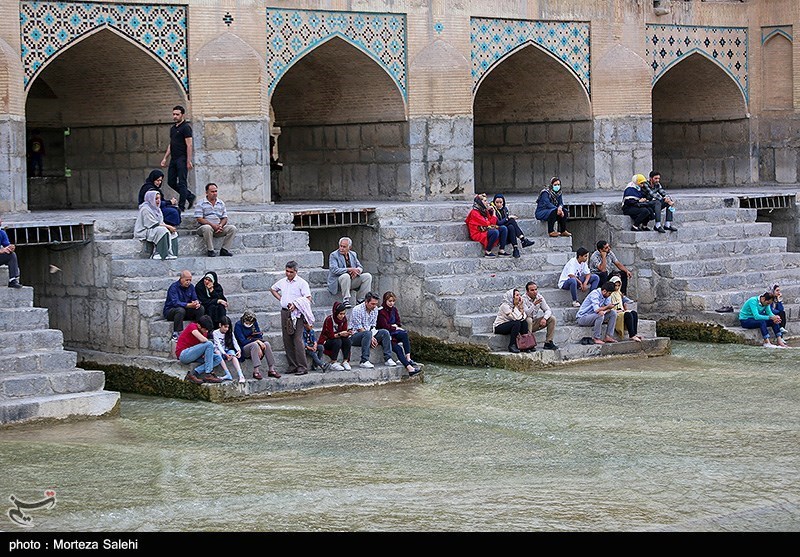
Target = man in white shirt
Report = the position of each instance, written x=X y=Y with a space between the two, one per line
x=538 y=314
x=212 y=216
x=286 y=291
x=576 y=275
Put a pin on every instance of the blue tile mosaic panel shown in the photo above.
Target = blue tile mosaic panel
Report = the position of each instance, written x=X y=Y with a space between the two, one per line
x=768 y=32
x=46 y=28
x=725 y=46
x=492 y=39
x=293 y=33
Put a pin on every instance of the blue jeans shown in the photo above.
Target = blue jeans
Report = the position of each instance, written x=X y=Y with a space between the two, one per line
x=571 y=284
x=498 y=236
x=203 y=352
x=763 y=324
x=364 y=339
x=401 y=354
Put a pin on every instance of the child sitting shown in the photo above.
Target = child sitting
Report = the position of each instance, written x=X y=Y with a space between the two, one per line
x=313 y=349
x=226 y=346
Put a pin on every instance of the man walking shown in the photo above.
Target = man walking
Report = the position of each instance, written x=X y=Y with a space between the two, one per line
x=345 y=273
x=180 y=149
x=288 y=291
x=212 y=216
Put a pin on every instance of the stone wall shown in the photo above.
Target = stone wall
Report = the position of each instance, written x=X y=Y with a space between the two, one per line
x=13 y=193
x=696 y=154
x=346 y=161
x=622 y=148
x=522 y=157
x=779 y=149
x=441 y=157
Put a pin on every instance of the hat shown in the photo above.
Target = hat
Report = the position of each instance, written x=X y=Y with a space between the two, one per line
x=639 y=179
x=248 y=316
x=615 y=279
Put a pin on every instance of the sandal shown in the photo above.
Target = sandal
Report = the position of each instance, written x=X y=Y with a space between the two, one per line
x=565 y=233
x=257 y=375
x=554 y=234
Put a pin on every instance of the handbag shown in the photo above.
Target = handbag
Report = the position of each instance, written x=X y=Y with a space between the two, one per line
x=526 y=341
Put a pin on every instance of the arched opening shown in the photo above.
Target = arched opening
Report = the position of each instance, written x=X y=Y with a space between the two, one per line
x=700 y=126
x=101 y=110
x=532 y=121
x=343 y=128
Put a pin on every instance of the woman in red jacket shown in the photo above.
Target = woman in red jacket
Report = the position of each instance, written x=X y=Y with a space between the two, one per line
x=335 y=336
x=482 y=224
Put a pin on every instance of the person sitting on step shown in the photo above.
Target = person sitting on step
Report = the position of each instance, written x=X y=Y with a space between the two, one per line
x=212 y=216
x=756 y=313
x=346 y=274
x=515 y=235
x=630 y=317
x=660 y=200
x=335 y=336
x=364 y=331
x=389 y=319
x=8 y=257
x=314 y=350
x=597 y=309
x=150 y=227
x=251 y=340
x=550 y=208
x=601 y=262
x=510 y=319
x=482 y=226
x=194 y=347
x=576 y=274
x=181 y=303
x=636 y=205
x=226 y=346
x=777 y=307
x=169 y=207
x=539 y=315
x=212 y=297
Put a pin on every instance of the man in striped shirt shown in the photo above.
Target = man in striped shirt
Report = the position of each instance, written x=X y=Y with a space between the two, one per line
x=363 y=321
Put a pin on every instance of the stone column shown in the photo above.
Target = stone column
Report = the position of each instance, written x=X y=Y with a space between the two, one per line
x=622 y=148
x=234 y=154
x=441 y=157
x=13 y=185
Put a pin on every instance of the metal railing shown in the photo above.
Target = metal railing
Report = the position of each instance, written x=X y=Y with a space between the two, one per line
x=54 y=234
x=767 y=201
x=332 y=218
x=583 y=211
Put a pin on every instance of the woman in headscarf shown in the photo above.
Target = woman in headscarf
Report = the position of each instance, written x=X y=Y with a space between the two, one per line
x=335 y=336
x=504 y=218
x=777 y=307
x=169 y=209
x=482 y=225
x=550 y=208
x=211 y=296
x=636 y=205
x=389 y=319
x=630 y=318
x=511 y=318
x=150 y=227
x=251 y=341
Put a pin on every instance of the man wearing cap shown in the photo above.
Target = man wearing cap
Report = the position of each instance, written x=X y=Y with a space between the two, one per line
x=658 y=197
x=345 y=273
x=636 y=205
x=181 y=303
x=287 y=290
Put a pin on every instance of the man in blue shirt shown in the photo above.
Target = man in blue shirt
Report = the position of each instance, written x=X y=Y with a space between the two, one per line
x=9 y=257
x=181 y=303
x=597 y=309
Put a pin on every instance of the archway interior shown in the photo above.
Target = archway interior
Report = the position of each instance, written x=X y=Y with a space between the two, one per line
x=532 y=121
x=102 y=107
x=343 y=128
x=700 y=126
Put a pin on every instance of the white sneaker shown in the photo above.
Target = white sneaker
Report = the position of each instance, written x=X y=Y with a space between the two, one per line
x=576 y=304
x=346 y=366
x=156 y=256
x=390 y=362
x=171 y=257
x=769 y=345
x=367 y=365
x=784 y=331
x=336 y=366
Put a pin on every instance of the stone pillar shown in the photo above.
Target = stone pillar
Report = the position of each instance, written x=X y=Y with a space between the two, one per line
x=622 y=148
x=441 y=157
x=234 y=154
x=13 y=185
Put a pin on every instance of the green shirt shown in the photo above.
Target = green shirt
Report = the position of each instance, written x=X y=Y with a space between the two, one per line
x=752 y=309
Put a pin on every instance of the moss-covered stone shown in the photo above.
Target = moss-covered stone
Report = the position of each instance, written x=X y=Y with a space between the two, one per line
x=129 y=379
x=698 y=332
x=431 y=349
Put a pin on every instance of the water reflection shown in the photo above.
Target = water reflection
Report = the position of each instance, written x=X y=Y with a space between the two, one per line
x=705 y=439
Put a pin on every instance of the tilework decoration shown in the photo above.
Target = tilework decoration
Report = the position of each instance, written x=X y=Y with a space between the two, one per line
x=492 y=39
x=46 y=28
x=293 y=33
x=768 y=32
x=725 y=46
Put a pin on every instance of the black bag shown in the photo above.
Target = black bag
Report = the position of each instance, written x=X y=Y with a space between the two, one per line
x=587 y=341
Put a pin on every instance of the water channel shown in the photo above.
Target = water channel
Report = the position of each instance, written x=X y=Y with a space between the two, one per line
x=707 y=438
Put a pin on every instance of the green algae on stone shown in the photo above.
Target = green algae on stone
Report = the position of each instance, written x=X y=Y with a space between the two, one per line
x=144 y=381
x=699 y=332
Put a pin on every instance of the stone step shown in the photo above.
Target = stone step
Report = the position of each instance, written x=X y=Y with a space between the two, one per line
x=51 y=383
x=22 y=319
x=37 y=360
x=11 y=298
x=466 y=266
x=566 y=329
x=266 y=261
x=687 y=201
x=712 y=300
x=708 y=267
x=745 y=281
x=443 y=231
x=63 y=406
x=695 y=234
x=468 y=249
x=496 y=282
x=475 y=323
x=694 y=251
x=12 y=342
x=692 y=218
x=565 y=336
x=190 y=243
x=732 y=319
x=434 y=212
x=105 y=228
x=485 y=302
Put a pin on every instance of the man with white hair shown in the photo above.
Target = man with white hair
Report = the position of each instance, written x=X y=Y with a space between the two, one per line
x=345 y=273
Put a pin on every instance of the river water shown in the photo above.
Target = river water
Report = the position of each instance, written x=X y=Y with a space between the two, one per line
x=707 y=438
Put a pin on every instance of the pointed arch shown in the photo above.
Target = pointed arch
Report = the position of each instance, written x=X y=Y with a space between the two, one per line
x=776 y=65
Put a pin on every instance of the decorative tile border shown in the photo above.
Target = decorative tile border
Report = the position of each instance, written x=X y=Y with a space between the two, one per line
x=46 y=28
x=492 y=39
x=293 y=33
x=768 y=32
x=725 y=46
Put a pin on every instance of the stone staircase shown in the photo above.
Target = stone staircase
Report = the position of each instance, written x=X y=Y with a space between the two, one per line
x=263 y=244
x=38 y=378
x=448 y=290
x=720 y=256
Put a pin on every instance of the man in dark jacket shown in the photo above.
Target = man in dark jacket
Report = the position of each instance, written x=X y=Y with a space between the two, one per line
x=658 y=197
x=181 y=303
